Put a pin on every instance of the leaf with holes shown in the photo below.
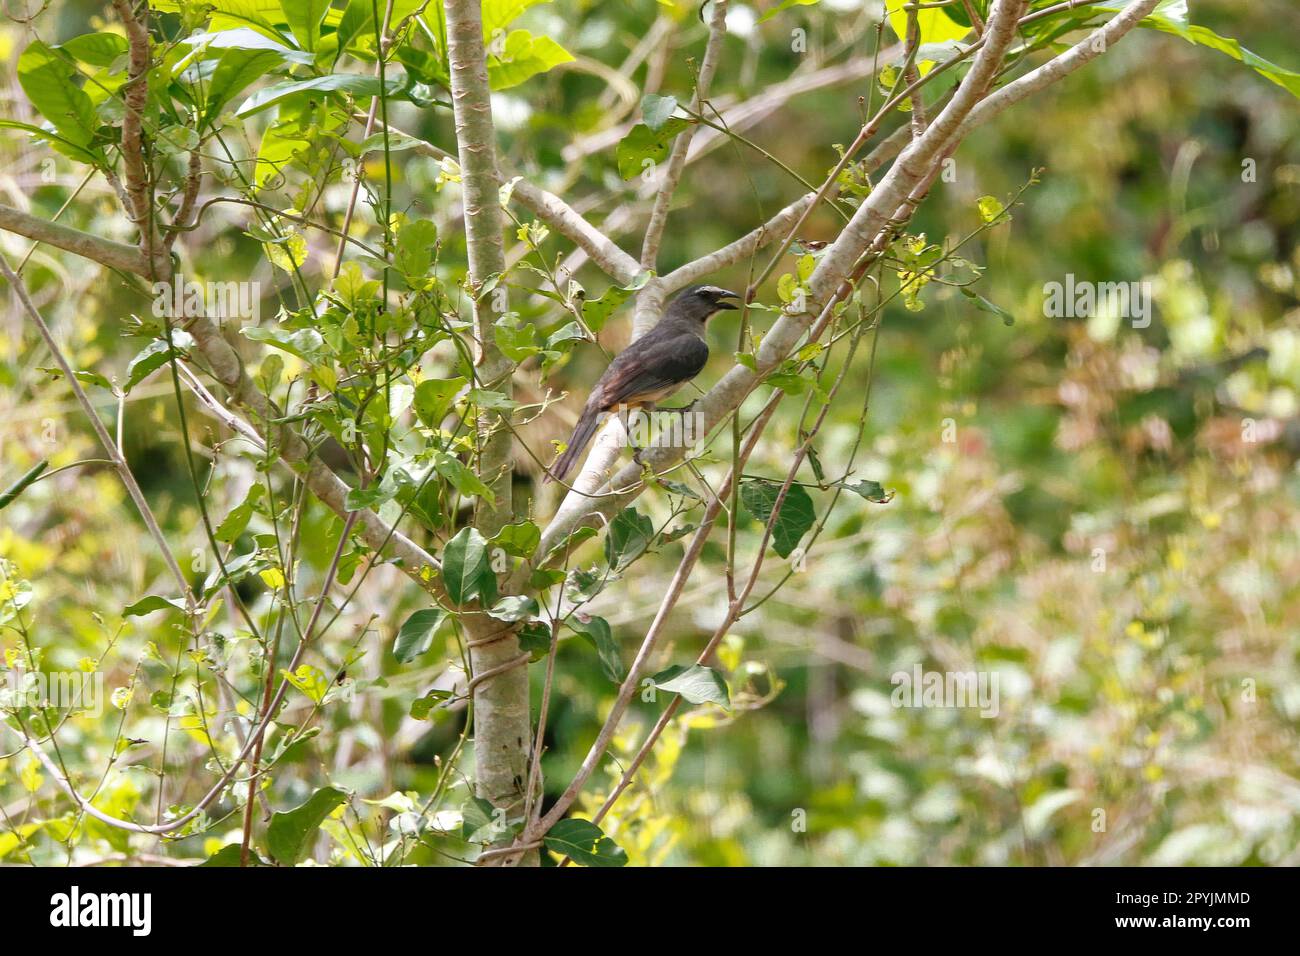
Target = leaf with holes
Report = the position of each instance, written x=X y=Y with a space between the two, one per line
x=792 y=521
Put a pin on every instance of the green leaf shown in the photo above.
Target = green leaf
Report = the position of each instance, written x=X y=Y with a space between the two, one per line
x=60 y=143
x=243 y=38
x=433 y=397
x=46 y=78
x=630 y=533
x=310 y=680
x=415 y=636
x=462 y=477
x=237 y=520
x=307 y=344
x=1171 y=17
x=153 y=357
x=793 y=521
x=872 y=491
x=535 y=638
x=783 y=6
x=236 y=70
x=524 y=56
x=290 y=834
x=596 y=312
x=643 y=144
x=231 y=855
x=584 y=843
x=499 y=14
x=596 y=631
x=354 y=83
x=152 y=603
x=304 y=18
x=696 y=683
x=991 y=210
x=97 y=49
x=478 y=821
x=656 y=110
x=466 y=572
x=519 y=539
x=422 y=707
x=984 y=305
x=514 y=608
x=416 y=241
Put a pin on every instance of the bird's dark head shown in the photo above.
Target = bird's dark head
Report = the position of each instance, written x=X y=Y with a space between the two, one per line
x=701 y=301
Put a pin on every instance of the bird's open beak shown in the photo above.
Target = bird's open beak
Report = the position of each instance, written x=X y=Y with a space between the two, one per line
x=727 y=305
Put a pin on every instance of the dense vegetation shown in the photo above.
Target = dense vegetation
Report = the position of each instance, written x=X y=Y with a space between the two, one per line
x=1098 y=510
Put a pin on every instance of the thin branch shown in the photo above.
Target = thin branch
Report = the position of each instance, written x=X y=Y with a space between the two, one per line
x=107 y=252
x=654 y=232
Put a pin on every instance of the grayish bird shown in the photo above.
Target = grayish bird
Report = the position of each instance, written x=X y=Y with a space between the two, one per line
x=651 y=368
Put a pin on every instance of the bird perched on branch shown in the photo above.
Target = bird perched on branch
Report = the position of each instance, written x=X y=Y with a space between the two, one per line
x=651 y=368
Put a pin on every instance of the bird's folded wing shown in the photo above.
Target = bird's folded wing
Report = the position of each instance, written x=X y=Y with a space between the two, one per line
x=648 y=372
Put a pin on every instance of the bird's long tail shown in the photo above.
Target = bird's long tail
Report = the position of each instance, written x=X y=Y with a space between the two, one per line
x=582 y=433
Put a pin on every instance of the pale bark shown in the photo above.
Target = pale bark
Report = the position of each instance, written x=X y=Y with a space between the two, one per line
x=501 y=718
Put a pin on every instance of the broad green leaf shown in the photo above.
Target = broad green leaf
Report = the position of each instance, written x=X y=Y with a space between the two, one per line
x=354 y=83
x=280 y=144
x=97 y=49
x=596 y=631
x=872 y=491
x=237 y=520
x=152 y=603
x=249 y=41
x=479 y=821
x=697 y=684
x=523 y=56
x=514 y=608
x=535 y=638
x=793 y=521
x=153 y=357
x=64 y=145
x=433 y=397
x=415 y=636
x=416 y=242
x=290 y=834
x=499 y=14
x=935 y=26
x=462 y=477
x=786 y=5
x=585 y=844
x=46 y=78
x=307 y=344
x=656 y=110
x=643 y=147
x=235 y=72
x=1171 y=17
x=596 y=312
x=304 y=18
x=466 y=571
x=629 y=534
x=231 y=855
x=261 y=15
x=520 y=539
x=310 y=680
x=991 y=210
